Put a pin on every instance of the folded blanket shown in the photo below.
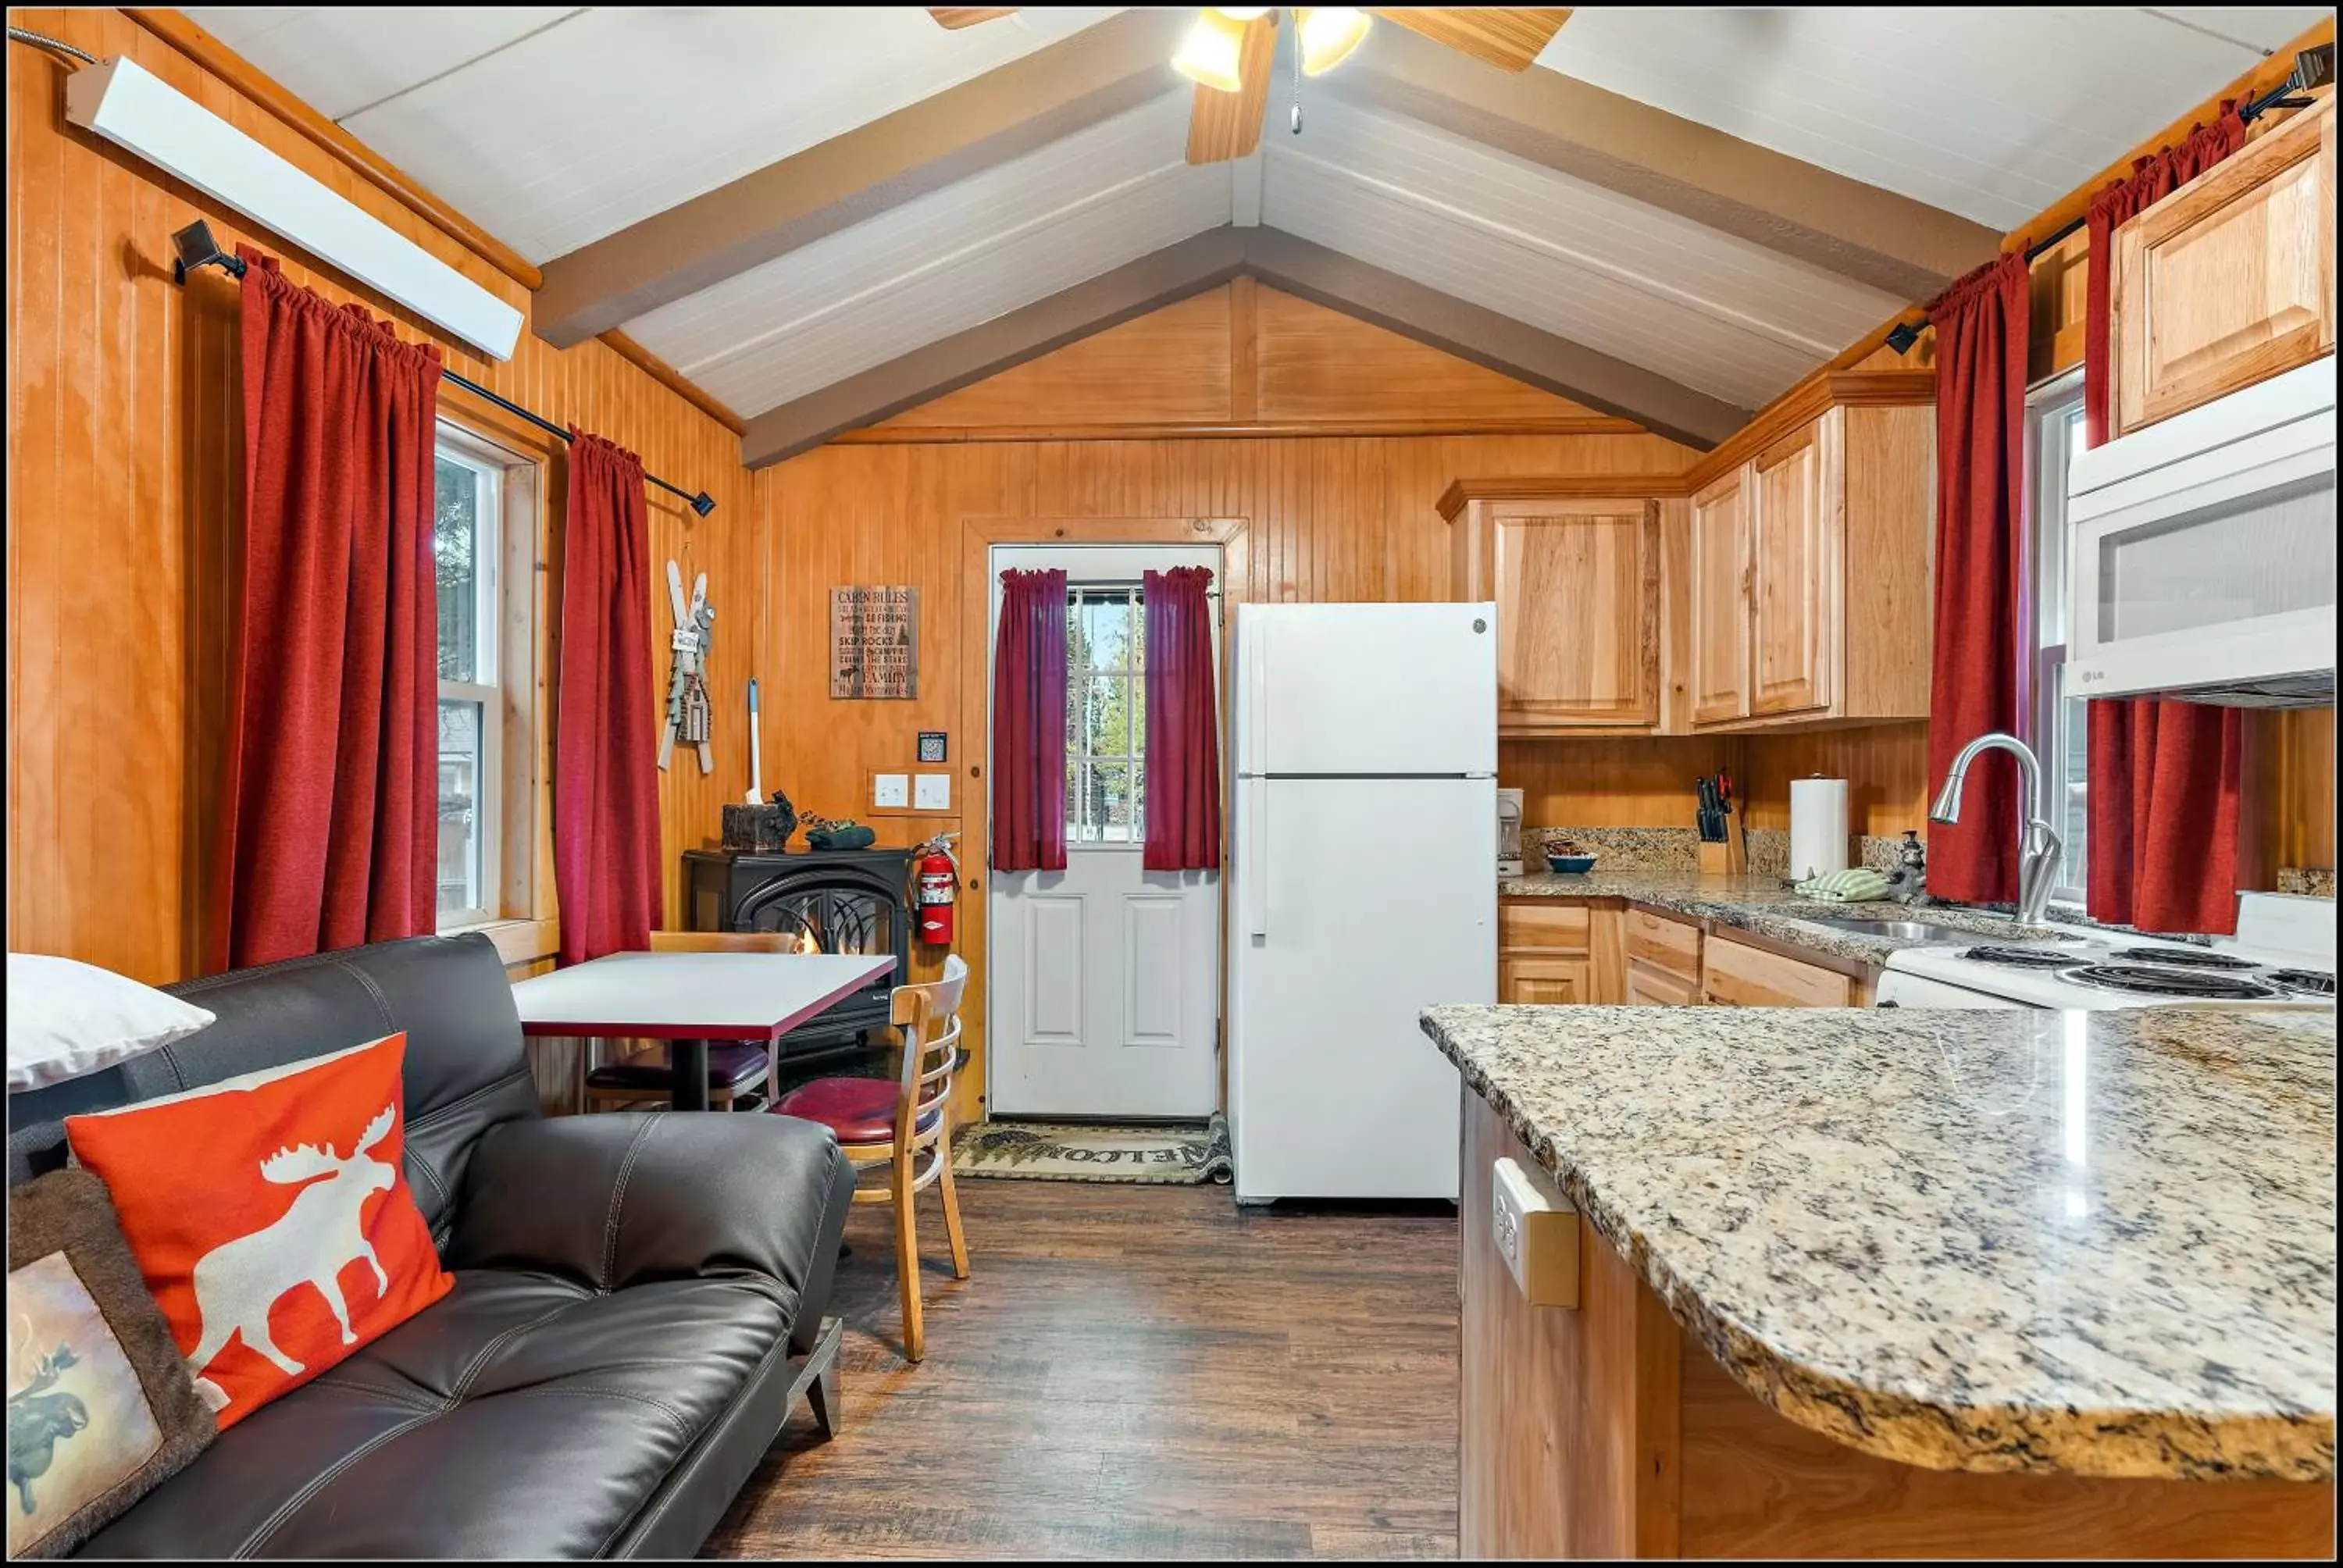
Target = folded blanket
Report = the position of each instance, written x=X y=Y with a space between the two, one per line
x=1855 y=885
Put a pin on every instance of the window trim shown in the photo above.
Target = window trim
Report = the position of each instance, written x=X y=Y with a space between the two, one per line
x=2052 y=438
x=520 y=916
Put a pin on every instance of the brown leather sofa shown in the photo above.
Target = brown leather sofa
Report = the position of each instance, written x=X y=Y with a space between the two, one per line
x=637 y=1304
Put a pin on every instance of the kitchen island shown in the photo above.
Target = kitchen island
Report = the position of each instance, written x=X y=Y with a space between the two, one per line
x=1904 y=1283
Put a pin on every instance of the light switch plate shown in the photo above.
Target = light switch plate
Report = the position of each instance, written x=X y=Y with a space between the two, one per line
x=932 y=791
x=1536 y=1231
x=890 y=789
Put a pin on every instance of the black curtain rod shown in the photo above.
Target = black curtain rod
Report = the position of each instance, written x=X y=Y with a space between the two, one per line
x=196 y=249
x=2312 y=68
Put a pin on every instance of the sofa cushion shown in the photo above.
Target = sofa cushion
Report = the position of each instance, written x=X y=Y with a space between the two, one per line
x=524 y=1415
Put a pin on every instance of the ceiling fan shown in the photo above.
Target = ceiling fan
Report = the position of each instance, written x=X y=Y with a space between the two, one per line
x=1228 y=54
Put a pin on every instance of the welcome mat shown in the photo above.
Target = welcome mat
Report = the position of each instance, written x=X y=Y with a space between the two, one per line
x=1178 y=1155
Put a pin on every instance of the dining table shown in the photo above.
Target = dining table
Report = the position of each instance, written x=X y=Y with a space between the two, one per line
x=690 y=998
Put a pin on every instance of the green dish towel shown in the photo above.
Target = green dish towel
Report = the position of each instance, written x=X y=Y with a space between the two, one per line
x=840 y=838
x=1855 y=885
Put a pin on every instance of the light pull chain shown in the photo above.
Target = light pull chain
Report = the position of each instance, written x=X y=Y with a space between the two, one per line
x=1296 y=43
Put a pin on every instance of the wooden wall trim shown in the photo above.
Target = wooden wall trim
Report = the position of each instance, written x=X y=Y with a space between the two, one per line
x=674 y=380
x=957 y=435
x=176 y=29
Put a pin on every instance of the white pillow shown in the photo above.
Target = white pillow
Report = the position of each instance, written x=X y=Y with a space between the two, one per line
x=66 y=1019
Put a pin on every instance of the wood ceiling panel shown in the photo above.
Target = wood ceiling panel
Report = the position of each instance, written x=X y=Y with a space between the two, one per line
x=1168 y=366
x=342 y=59
x=1318 y=364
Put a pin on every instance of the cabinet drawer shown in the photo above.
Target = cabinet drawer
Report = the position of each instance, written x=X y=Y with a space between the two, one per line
x=1739 y=975
x=1648 y=987
x=1538 y=981
x=1543 y=926
x=1665 y=943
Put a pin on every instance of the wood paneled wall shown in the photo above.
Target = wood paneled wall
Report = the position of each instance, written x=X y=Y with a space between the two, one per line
x=125 y=453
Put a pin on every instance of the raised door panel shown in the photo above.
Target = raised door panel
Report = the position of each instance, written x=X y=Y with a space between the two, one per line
x=1543 y=981
x=1578 y=614
x=1720 y=600
x=2231 y=279
x=1792 y=571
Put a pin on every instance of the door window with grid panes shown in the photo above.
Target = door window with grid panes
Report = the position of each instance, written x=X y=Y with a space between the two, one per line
x=466 y=548
x=2059 y=733
x=1106 y=716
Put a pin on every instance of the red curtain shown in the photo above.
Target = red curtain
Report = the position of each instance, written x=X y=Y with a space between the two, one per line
x=2152 y=179
x=1183 y=731
x=606 y=825
x=331 y=794
x=2166 y=777
x=1980 y=548
x=1029 y=724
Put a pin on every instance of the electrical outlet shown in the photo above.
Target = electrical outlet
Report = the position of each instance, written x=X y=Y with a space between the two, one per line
x=932 y=791
x=890 y=789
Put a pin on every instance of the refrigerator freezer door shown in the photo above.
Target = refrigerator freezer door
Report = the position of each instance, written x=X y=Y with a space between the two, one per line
x=1366 y=689
x=1362 y=903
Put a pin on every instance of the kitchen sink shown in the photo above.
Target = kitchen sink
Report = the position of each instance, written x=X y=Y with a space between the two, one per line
x=1899 y=931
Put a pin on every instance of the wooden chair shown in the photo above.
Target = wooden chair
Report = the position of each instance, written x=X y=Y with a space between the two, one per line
x=735 y=1068
x=882 y=1122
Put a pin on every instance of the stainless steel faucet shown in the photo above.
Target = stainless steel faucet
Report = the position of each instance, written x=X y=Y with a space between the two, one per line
x=2038 y=845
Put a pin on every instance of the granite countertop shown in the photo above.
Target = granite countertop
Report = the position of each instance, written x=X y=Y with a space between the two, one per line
x=1764 y=906
x=2095 y=1243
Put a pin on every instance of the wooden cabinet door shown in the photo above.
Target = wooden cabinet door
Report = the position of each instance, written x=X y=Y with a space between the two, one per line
x=1649 y=987
x=1542 y=982
x=1719 y=601
x=1735 y=974
x=1793 y=603
x=1577 y=585
x=2231 y=279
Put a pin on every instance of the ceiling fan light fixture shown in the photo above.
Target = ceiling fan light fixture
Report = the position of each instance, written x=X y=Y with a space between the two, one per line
x=1244 y=13
x=1327 y=33
x=1209 y=55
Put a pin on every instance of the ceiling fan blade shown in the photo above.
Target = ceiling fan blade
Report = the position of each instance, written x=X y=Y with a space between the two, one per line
x=1507 y=38
x=1225 y=126
x=957 y=16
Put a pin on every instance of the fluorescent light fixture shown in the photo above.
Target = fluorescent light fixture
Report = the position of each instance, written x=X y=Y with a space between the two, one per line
x=1327 y=33
x=1209 y=56
x=132 y=108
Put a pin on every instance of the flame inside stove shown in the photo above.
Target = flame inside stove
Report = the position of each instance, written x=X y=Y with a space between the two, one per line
x=806 y=943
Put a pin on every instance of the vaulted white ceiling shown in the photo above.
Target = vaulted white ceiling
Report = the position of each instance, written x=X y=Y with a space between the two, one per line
x=554 y=129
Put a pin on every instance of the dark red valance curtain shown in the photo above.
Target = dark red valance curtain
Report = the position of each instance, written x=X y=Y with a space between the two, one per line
x=606 y=824
x=1980 y=548
x=2166 y=777
x=1183 y=730
x=330 y=797
x=1029 y=724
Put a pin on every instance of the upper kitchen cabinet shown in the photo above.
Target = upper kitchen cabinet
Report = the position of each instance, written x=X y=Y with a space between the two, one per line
x=2231 y=279
x=1577 y=583
x=1807 y=588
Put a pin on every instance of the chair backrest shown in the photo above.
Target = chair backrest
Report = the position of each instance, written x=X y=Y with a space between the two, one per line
x=928 y=1017
x=722 y=942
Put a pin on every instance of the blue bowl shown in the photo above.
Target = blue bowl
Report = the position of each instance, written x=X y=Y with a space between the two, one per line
x=1570 y=865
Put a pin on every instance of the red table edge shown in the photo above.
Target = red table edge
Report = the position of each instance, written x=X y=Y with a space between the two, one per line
x=605 y=1028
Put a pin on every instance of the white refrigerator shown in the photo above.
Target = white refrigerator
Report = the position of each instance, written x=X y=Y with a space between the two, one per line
x=1364 y=890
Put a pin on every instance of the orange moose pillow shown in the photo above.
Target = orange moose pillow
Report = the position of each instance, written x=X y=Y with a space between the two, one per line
x=271 y=1217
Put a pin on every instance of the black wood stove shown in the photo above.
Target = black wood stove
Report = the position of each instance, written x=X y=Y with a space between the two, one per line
x=830 y=902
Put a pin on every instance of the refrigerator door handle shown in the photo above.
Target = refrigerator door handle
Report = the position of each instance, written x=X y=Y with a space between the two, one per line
x=1260 y=703
x=1257 y=862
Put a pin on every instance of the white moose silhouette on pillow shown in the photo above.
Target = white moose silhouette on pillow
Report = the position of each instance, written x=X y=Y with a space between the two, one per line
x=237 y=1282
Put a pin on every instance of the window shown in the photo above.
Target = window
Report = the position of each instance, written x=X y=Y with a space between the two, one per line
x=2055 y=725
x=1106 y=715
x=483 y=539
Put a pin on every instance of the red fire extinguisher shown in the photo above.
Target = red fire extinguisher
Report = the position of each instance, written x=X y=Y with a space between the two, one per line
x=939 y=885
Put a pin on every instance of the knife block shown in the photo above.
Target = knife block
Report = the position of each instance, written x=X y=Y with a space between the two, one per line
x=1730 y=857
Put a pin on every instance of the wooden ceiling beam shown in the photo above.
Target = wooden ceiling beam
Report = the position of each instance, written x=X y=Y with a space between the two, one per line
x=1858 y=231
x=1487 y=338
x=1163 y=277
x=1047 y=94
x=1323 y=277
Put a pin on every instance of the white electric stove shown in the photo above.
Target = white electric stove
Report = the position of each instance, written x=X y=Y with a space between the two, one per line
x=2283 y=955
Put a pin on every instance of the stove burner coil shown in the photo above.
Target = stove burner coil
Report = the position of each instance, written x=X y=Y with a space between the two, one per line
x=2021 y=957
x=2143 y=980
x=2183 y=958
x=2303 y=982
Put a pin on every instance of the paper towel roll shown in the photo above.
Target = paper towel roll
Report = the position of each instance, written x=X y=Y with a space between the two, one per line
x=1818 y=827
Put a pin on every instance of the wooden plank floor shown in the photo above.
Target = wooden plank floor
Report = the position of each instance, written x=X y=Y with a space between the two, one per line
x=1134 y=1372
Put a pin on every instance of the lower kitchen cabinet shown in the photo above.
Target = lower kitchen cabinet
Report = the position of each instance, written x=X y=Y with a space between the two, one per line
x=1559 y=952
x=1649 y=987
x=1536 y=980
x=1736 y=974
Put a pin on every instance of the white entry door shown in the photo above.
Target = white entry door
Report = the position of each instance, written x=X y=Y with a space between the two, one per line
x=1103 y=993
